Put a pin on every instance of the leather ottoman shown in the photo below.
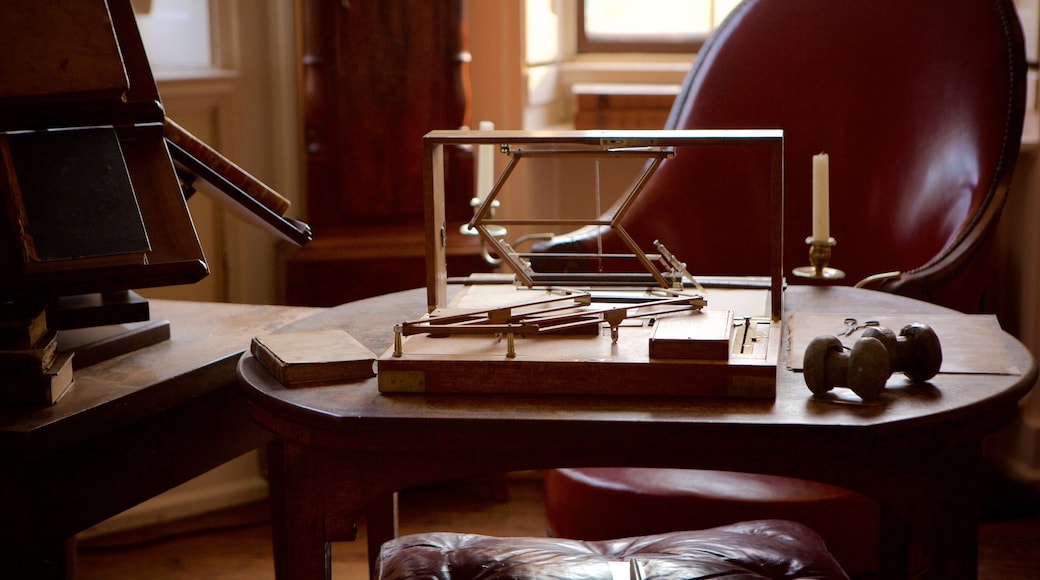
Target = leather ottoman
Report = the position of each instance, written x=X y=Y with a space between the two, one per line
x=651 y=500
x=759 y=549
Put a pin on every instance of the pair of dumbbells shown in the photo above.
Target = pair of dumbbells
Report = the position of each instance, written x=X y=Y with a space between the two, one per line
x=867 y=366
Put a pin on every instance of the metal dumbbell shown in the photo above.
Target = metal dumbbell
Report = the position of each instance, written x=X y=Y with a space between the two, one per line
x=866 y=367
x=916 y=352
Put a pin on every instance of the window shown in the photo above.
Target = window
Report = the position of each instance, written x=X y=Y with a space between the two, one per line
x=648 y=25
x=176 y=33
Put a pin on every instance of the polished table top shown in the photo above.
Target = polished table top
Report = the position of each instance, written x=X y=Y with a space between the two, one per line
x=133 y=386
x=949 y=399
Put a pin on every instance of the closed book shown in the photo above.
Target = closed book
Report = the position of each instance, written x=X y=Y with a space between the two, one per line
x=30 y=361
x=38 y=390
x=702 y=335
x=22 y=324
x=314 y=358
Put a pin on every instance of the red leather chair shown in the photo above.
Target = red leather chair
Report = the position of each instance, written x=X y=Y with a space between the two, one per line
x=920 y=107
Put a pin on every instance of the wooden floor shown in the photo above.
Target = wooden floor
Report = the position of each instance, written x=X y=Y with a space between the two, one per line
x=235 y=544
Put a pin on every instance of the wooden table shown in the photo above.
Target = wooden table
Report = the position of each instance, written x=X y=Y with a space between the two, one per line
x=343 y=450
x=129 y=428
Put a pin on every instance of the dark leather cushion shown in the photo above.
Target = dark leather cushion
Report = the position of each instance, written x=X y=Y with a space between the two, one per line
x=756 y=549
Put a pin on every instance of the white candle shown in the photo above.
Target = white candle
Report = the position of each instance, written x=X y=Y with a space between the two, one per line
x=485 y=165
x=821 y=198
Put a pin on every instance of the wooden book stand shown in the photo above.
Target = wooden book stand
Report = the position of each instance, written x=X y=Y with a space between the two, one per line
x=93 y=176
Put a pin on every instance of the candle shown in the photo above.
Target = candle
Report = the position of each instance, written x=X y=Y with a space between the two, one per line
x=821 y=198
x=485 y=165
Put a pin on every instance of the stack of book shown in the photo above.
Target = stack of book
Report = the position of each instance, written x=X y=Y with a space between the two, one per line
x=32 y=372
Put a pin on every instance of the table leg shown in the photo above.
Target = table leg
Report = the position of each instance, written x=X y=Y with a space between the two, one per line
x=301 y=550
x=930 y=523
x=29 y=546
x=956 y=497
x=381 y=526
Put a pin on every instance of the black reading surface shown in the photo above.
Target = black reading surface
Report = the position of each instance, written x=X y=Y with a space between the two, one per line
x=78 y=198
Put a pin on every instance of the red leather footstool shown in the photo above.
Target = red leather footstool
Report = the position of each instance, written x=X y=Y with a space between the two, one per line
x=601 y=503
x=763 y=549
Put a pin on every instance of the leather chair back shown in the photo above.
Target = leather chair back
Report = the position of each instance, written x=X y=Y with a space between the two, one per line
x=918 y=104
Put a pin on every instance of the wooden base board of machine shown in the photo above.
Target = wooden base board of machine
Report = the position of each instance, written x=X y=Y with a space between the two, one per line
x=591 y=363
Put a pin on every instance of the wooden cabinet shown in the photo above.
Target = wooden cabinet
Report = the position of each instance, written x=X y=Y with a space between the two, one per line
x=375 y=76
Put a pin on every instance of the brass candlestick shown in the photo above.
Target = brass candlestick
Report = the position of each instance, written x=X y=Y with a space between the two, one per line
x=819 y=257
